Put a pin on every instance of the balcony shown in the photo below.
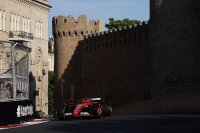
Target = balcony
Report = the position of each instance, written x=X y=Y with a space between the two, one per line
x=20 y=36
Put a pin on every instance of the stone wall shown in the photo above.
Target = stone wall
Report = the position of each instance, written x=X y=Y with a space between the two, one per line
x=105 y=64
x=67 y=33
x=114 y=65
x=156 y=64
x=185 y=104
x=174 y=47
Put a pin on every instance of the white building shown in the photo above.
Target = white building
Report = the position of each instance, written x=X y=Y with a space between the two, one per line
x=27 y=21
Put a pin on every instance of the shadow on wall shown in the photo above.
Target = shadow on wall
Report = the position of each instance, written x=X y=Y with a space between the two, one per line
x=112 y=65
x=71 y=79
x=115 y=65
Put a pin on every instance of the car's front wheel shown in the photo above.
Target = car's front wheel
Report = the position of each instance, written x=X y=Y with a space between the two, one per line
x=60 y=112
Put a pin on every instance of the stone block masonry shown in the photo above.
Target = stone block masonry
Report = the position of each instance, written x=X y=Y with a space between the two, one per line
x=154 y=61
x=67 y=33
x=114 y=64
x=102 y=64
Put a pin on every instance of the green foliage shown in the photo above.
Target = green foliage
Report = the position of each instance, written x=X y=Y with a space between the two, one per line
x=117 y=23
x=51 y=92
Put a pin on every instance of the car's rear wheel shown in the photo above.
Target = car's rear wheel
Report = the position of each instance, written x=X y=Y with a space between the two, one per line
x=107 y=110
x=99 y=111
x=96 y=109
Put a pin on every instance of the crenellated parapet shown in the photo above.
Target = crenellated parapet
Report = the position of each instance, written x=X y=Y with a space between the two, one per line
x=136 y=29
x=136 y=33
x=69 y=34
x=67 y=26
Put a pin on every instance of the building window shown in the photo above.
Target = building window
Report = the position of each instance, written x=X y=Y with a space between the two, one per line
x=14 y=22
x=2 y=20
x=26 y=24
x=18 y=23
x=39 y=30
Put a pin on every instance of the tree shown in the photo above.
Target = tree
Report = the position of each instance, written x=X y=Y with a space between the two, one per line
x=51 y=92
x=117 y=23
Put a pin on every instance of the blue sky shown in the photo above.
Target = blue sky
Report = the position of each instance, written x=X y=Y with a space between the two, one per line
x=100 y=9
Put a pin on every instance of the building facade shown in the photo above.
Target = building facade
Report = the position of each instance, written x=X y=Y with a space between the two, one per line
x=26 y=21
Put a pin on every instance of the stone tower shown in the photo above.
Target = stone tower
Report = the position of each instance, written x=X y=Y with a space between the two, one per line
x=67 y=33
x=175 y=56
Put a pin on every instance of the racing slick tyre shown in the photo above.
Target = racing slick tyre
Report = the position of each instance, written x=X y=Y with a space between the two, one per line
x=63 y=109
x=107 y=110
x=96 y=110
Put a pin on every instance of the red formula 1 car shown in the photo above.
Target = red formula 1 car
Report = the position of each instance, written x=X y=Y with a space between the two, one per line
x=87 y=107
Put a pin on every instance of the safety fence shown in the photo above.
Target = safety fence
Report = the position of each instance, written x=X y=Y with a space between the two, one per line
x=14 y=71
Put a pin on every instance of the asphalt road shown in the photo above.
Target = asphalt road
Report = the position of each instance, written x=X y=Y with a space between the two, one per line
x=118 y=124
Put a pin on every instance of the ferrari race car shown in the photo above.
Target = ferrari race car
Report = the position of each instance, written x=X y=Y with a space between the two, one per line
x=88 y=107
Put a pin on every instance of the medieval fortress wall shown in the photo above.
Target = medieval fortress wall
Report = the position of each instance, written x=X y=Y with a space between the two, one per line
x=174 y=45
x=92 y=63
x=155 y=64
x=110 y=62
x=67 y=33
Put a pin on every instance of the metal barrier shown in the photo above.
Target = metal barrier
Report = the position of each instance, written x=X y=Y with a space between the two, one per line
x=14 y=71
